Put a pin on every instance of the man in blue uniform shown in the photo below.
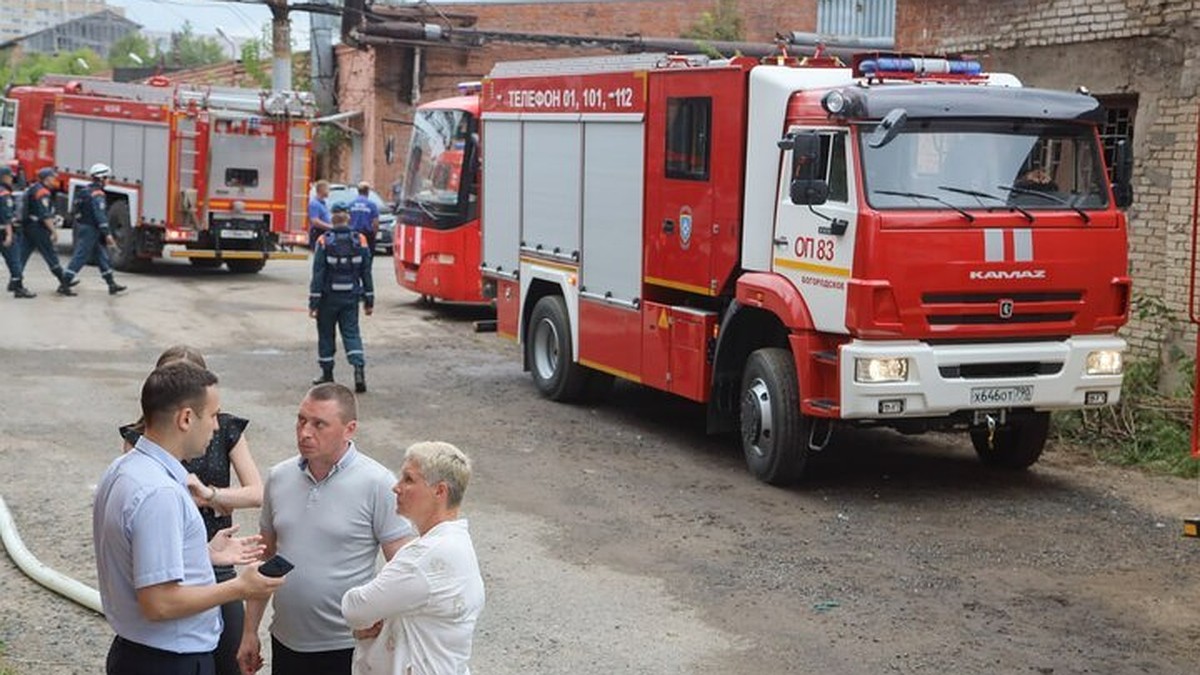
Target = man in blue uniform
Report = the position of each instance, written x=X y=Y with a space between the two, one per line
x=39 y=231
x=364 y=214
x=91 y=233
x=11 y=236
x=318 y=213
x=341 y=278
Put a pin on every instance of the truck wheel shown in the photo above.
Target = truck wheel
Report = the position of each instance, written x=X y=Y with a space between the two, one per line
x=774 y=432
x=124 y=257
x=1016 y=445
x=248 y=266
x=548 y=351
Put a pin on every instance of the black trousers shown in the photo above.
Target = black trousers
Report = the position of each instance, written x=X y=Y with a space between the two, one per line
x=284 y=661
x=131 y=658
x=233 y=614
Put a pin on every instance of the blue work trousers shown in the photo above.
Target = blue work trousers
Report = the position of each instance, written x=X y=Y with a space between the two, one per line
x=37 y=237
x=338 y=311
x=12 y=255
x=88 y=243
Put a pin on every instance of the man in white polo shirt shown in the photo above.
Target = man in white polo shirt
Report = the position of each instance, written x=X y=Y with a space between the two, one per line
x=328 y=511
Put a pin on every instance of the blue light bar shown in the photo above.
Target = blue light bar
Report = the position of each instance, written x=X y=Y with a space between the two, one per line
x=920 y=66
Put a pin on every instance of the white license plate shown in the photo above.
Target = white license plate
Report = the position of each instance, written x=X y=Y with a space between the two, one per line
x=238 y=234
x=410 y=275
x=1001 y=396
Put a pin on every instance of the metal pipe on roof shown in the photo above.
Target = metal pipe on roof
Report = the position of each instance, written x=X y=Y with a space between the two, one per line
x=802 y=44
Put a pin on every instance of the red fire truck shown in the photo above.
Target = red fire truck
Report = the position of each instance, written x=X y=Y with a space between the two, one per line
x=437 y=238
x=221 y=172
x=905 y=242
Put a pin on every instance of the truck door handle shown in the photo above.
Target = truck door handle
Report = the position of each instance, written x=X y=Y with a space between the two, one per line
x=781 y=241
x=668 y=226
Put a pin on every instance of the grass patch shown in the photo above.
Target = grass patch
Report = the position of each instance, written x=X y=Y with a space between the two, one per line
x=1146 y=429
x=5 y=669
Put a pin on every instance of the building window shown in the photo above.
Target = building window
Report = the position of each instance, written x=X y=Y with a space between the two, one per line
x=689 y=135
x=1120 y=111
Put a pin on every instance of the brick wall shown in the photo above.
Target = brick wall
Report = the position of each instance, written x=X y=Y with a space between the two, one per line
x=368 y=79
x=1143 y=47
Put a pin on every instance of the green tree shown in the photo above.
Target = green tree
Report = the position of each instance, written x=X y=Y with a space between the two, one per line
x=189 y=50
x=722 y=24
x=30 y=68
x=254 y=58
x=133 y=43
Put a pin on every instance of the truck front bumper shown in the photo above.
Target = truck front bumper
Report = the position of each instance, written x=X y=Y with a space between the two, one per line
x=947 y=379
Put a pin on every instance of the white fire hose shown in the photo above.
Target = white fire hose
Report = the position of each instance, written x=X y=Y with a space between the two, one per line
x=36 y=570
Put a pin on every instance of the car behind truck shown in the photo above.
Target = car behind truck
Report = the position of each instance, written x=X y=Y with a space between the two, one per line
x=800 y=246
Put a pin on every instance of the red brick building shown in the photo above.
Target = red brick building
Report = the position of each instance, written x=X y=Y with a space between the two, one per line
x=1140 y=59
x=378 y=80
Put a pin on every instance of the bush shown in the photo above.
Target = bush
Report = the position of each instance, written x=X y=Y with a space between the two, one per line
x=1146 y=429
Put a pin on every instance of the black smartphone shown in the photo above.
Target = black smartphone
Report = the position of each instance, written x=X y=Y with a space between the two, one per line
x=276 y=567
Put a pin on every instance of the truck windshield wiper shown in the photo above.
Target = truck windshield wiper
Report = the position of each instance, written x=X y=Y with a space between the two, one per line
x=421 y=205
x=1046 y=195
x=985 y=195
x=917 y=195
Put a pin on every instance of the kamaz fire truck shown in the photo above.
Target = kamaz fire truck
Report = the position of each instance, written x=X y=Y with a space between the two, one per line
x=802 y=245
x=222 y=172
x=437 y=238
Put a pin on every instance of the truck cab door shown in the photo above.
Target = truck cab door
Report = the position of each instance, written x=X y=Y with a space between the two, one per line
x=814 y=242
x=695 y=133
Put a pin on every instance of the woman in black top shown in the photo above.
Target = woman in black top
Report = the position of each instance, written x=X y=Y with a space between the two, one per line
x=211 y=489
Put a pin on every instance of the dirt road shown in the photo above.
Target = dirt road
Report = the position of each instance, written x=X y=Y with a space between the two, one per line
x=614 y=538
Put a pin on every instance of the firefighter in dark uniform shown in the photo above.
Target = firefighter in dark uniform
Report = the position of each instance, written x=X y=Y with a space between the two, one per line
x=91 y=233
x=38 y=230
x=341 y=278
x=11 y=234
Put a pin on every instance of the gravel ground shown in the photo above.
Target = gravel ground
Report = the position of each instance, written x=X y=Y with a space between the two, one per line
x=614 y=538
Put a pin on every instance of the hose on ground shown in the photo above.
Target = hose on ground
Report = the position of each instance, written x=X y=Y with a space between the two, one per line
x=50 y=578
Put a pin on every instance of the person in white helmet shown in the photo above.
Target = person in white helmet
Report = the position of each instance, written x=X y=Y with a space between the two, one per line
x=91 y=233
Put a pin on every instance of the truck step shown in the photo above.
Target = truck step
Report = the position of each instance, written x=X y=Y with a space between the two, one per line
x=823 y=404
x=828 y=357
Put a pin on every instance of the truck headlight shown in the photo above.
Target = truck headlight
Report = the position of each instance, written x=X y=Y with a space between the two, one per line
x=881 y=370
x=1105 y=362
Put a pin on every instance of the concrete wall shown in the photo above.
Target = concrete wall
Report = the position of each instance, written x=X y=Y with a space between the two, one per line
x=1143 y=47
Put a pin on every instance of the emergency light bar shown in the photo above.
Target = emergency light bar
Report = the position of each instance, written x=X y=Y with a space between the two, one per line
x=469 y=88
x=919 y=66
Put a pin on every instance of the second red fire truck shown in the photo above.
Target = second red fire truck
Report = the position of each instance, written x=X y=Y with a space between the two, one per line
x=904 y=242
x=219 y=173
x=437 y=238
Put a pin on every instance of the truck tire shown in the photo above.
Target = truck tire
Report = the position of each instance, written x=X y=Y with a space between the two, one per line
x=548 y=351
x=246 y=266
x=774 y=432
x=124 y=255
x=1016 y=445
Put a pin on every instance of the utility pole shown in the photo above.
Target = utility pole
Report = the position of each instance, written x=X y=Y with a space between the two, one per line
x=281 y=46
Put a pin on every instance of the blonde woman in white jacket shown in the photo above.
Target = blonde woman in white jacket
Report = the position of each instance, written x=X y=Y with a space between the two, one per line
x=417 y=617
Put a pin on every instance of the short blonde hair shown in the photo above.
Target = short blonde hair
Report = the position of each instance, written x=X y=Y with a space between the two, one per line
x=442 y=462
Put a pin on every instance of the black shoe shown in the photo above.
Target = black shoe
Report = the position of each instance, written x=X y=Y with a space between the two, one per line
x=325 y=376
x=114 y=288
x=21 y=292
x=360 y=380
x=65 y=289
x=74 y=281
x=12 y=286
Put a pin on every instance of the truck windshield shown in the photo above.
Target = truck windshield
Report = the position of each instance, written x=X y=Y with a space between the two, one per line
x=985 y=164
x=436 y=190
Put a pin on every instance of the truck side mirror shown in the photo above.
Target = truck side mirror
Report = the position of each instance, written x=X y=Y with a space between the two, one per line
x=891 y=125
x=1123 y=174
x=808 y=185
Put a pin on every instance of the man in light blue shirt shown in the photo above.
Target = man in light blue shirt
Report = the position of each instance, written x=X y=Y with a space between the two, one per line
x=320 y=220
x=152 y=557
